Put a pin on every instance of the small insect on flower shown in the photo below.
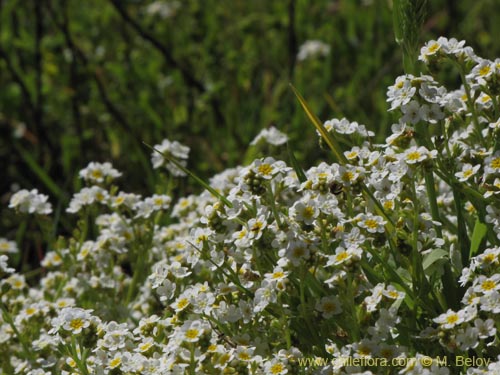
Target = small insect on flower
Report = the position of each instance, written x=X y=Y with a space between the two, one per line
x=336 y=188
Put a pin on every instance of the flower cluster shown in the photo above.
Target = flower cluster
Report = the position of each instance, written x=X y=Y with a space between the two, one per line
x=392 y=251
x=30 y=202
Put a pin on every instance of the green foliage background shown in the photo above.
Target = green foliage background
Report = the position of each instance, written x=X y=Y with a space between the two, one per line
x=91 y=80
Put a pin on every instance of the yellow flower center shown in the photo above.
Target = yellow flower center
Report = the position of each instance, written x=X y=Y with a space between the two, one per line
x=488 y=285
x=298 y=252
x=30 y=311
x=364 y=351
x=393 y=294
x=370 y=223
x=119 y=200
x=265 y=169
x=490 y=258
x=495 y=163
x=414 y=156
x=484 y=70
x=278 y=275
x=277 y=368
x=468 y=173
x=183 y=302
x=348 y=176
x=96 y=173
x=434 y=47
x=308 y=212
x=453 y=318
x=486 y=99
x=18 y=284
x=257 y=226
x=76 y=324
x=329 y=307
x=388 y=205
x=342 y=256
x=144 y=347
x=192 y=333
x=244 y=356
x=115 y=362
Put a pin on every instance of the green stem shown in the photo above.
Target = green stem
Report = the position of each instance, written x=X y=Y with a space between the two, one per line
x=470 y=103
x=8 y=318
x=80 y=362
x=274 y=210
x=430 y=186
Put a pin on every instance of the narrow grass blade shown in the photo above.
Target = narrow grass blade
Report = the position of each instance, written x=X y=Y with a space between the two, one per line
x=39 y=171
x=295 y=164
x=332 y=143
x=206 y=186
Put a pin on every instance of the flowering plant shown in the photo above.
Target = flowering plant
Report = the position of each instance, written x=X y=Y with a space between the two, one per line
x=390 y=252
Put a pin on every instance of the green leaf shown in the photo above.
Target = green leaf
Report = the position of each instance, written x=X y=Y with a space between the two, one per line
x=434 y=256
x=397 y=21
x=478 y=235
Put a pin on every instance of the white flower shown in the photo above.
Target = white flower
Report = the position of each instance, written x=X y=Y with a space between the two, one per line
x=86 y=197
x=492 y=164
x=30 y=202
x=371 y=223
x=99 y=172
x=152 y=204
x=73 y=319
x=7 y=246
x=297 y=251
x=168 y=149
x=487 y=285
x=272 y=136
x=450 y=319
x=256 y=227
x=275 y=367
x=163 y=9
x=312 y=48
x=305 y=212
x=429 y=49
x=412 y=112
x=485 y=328
x=467 y=338
x=191 y=331
x=329 y=306
x=468 y=170
x=4 y=266
x=415 y=154
x=265 y=295
x=401 y=92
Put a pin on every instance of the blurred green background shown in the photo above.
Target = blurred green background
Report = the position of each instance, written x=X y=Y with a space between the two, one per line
x=91 y=80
